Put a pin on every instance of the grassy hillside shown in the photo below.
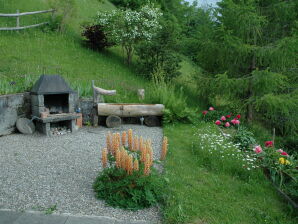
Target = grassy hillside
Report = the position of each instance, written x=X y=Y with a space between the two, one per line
x=24 y=55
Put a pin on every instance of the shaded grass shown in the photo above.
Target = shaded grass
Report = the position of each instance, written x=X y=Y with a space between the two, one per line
x=200 y=194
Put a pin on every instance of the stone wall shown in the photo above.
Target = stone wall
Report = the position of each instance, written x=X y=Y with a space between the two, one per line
x=11 y=108
x=86 y=105
x=19 y=105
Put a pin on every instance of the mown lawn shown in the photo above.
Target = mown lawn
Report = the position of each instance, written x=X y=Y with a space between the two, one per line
x=210 y=189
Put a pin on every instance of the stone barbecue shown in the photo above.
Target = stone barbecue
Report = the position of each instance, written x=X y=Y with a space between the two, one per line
x=53 y=104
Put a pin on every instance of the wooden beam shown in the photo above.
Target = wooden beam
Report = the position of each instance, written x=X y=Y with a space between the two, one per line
x=130 y=110
x=25 y=13
x=22 y=27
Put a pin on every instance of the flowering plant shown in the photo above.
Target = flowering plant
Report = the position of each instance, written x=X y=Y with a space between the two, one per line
x=281 y=166
x=129 y=179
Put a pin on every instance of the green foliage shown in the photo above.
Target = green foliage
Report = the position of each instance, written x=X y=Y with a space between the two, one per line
x=127 y=27
x=159 y=54
x=132 y=4
x=131 y=192
x=65 y=11
x=172 y=97
x=95 y=37
x=244 y=138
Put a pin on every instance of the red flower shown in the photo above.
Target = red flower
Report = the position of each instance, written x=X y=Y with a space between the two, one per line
x=223 y=118
x=211 y=108
x=238 y=116
x=227 y=124
x=284 y=154
x=204 y=112
x=228 y=116
x=269 y=144
x=233 y=121
x=217 y=122
x=237 y=122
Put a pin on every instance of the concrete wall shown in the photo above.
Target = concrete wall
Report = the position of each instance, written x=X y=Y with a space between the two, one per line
x=11 y=108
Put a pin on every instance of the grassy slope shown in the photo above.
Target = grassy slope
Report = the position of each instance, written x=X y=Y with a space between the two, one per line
x=24 y=55
x=203 y=191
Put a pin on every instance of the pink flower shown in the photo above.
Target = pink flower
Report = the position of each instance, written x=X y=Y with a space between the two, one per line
x=217 y=122
x=258 y=149
x=279 y=150
x=204 y=112
x=269 y=144
x=228 y=116
x=227 y=124
x=211 y=108
x=237 y=122
x=233 y=121
x=284 y=154
x=223 y=118
x=238 y=116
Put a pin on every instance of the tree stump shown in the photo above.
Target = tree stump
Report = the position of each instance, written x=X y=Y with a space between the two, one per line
x=113 y=121
x=152 y=121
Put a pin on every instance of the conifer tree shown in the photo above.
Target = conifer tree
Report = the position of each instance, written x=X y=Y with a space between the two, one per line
x=251 y=57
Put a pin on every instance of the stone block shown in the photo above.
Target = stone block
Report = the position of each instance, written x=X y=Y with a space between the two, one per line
x=37 y=100
x=37 y=110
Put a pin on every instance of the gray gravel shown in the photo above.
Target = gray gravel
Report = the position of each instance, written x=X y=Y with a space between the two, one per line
x=37 y=172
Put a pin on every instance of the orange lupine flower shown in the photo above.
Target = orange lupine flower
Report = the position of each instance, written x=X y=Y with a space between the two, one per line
x=130 y=136
x=136 y=165
x=136 y=143
x=109 y=142
x=164 y=148
x=123 y=138
x=147 y=165
x=118 y=158
x=104 y=158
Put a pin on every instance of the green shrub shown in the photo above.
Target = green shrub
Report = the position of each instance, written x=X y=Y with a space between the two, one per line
x=131 y=192
x=244 y=138
x=95 y=37
x=173 y=98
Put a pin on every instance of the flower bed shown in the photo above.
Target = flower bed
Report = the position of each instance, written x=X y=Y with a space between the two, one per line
x=129 y=179
x=280 y=167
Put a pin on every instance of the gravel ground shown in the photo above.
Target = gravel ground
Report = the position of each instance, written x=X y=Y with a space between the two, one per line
x=37 y=172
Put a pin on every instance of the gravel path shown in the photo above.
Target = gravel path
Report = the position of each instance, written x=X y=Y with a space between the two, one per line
x=37 y=172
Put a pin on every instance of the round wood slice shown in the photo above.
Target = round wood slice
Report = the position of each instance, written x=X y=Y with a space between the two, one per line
x=152 y=121
x=25 y=126
x=113 y=121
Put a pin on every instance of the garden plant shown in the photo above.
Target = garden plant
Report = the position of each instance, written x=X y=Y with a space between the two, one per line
x=129 y=179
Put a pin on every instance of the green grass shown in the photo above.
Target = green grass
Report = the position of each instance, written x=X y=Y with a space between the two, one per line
x=208 y=189
x=25 y=55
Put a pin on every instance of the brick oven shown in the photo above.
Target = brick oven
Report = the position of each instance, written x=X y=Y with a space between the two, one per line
x=53 y=104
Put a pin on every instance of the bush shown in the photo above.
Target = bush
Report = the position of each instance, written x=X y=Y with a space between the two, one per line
x=65 y=11
x=132 y=4
x=174 y=100
x=128 y=191
x=245 y=138
x=95 y=37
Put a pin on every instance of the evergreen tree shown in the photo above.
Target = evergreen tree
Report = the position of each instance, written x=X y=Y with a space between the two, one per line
x=251 y=57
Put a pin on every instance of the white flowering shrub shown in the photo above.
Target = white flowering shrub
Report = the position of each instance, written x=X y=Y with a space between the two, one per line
x=127 y=27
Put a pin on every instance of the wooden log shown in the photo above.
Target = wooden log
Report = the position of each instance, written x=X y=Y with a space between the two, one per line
x=113 y=121
x=130 y=110
x=152 y=121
